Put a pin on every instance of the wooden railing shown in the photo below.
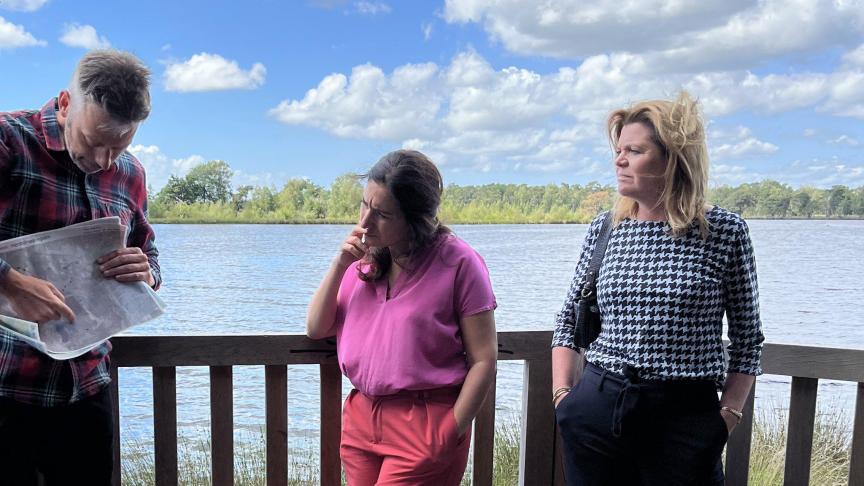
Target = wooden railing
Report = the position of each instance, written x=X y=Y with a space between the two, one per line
x=539 y=462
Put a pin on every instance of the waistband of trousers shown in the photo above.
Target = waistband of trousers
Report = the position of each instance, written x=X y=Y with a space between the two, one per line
x=633 y=376
x=443 y=393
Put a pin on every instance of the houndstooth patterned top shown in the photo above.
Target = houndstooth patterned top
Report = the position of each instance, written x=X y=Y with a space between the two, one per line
x=662 y=299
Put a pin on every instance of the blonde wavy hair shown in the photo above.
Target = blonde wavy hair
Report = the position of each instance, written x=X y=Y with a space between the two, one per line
x=678 y=130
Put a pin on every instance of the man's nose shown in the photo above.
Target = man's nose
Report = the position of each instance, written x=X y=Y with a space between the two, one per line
x=104 y=158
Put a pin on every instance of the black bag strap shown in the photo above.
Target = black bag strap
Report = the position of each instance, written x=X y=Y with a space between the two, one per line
x=597 y=256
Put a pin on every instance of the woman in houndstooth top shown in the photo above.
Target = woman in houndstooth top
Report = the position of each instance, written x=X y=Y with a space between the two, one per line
x=645 y=408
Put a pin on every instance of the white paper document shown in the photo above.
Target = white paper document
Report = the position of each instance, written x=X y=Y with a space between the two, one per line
x=66 y=257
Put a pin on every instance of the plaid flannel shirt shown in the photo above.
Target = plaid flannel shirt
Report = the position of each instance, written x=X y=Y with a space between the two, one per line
x=41 y=189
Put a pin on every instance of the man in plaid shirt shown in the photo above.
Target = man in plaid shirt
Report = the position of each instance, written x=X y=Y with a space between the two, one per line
x=61 y=165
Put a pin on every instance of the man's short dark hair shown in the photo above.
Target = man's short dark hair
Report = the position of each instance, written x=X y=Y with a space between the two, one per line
x=116 y=81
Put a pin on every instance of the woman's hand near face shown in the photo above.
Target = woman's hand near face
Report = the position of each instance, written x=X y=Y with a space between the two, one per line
x=321 y=315
x=353 y=248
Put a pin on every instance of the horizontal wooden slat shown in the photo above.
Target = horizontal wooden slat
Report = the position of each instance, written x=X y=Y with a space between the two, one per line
x=814 y=362
x=266 y=349
x=258 y=349
x=227 y=350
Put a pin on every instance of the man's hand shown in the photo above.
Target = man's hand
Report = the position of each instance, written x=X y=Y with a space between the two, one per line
x=126 y=265
x=34 y=299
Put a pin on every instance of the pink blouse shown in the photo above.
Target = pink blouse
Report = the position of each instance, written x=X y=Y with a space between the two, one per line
x=412 y=341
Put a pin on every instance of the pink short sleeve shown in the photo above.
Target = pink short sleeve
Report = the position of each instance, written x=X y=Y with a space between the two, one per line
x=473 y=289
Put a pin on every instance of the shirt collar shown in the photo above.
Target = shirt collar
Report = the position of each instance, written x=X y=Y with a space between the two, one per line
x=50 y=128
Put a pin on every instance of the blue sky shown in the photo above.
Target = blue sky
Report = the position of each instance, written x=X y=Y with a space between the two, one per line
x=494 y=90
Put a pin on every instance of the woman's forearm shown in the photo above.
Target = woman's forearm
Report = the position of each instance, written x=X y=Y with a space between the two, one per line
x=481 y=352
x=566 y=367
x=736 y=390
x=321 y=314
x=478 y=382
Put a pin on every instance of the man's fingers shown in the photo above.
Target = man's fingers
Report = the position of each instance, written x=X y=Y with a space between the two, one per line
x=54 y=290
x=123 y=251
x=132 y=277
x=126 y=269
x=63 y=310
x=123 y=260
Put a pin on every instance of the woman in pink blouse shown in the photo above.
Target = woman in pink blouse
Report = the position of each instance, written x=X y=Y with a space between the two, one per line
x=412 y=309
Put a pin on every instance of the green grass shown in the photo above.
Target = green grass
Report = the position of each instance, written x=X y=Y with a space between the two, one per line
x=829 y=466
x=829 y=463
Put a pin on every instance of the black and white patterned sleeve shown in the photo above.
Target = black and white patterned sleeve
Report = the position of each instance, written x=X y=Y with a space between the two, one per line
x=742 y=306
x=564 y=321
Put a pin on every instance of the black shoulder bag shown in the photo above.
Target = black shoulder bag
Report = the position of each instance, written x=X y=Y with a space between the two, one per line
x=587 y=325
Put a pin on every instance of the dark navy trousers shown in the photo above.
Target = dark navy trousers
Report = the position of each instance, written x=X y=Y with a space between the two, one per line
x=619 y=430
x=68 y=445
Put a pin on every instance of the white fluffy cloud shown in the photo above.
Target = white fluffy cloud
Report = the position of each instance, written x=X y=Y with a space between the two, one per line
x=737 y=144
x=160 y=167
x=84 y=36
x=481 y=118
x=22 y=5
x=844 y=140
x=12 y=36
x=212 y=72
x=673 y=36
x=370 y=104
x=828 y=172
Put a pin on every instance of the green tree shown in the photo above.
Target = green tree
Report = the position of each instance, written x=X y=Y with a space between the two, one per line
x=302 y=199
x=839 y=201
x=209 y=182
x=343 y=202
x=805 y=202
x=774 y=199
x=212 y=181
x=240 y=197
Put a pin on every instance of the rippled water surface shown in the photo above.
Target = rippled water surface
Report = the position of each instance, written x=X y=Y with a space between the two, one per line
x=259 y=278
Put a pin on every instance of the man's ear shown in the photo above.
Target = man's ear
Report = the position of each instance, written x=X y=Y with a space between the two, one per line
x=64 y=103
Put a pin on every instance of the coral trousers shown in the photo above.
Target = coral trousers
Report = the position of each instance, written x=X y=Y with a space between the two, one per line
x=409 y=438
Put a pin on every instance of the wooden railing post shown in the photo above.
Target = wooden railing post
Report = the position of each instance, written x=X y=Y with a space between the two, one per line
x=856 y=463
x=799 y=442
x=116 y=471
x=331 y=424
x=538 y=424
x=276 y=396
x=222 y=425
x=484 y=441
x=738 y=447
x=165 y=424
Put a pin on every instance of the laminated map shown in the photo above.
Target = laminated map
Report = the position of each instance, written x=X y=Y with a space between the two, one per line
x=66 y=257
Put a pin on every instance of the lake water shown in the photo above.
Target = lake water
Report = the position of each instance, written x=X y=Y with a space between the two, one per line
x=259 y=278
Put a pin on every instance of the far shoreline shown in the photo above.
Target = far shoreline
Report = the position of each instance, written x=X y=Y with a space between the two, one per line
x=168 y=221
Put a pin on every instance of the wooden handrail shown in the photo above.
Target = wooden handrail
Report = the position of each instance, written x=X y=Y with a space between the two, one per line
x=539 y=461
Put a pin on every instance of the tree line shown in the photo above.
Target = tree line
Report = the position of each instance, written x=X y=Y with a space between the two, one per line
x=206 y=195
